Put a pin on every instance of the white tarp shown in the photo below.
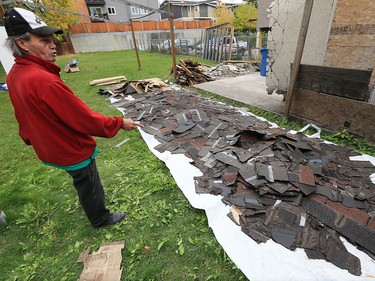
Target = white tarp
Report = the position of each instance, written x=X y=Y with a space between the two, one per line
x=6 y=57
x=263 y=262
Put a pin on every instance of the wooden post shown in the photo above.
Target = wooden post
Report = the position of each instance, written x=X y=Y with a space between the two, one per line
x=231 y=42
x=227 y=48
x=221 y=50
x=135 y=44
x=260 y=42
x=298 y=55
x=173 y=49
x=2 y=12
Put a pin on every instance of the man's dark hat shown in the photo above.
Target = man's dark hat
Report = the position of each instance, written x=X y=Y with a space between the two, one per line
x=18 y=21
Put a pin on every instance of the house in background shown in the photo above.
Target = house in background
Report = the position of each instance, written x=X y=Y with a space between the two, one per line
x=195 y=9
x=263 y=21
x=121 y=12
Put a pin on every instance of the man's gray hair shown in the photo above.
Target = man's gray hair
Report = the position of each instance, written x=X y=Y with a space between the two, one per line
x=12 y=45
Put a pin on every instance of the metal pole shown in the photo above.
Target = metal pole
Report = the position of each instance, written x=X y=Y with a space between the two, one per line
x=173 y=49
x=298 y=55
x=135 y=44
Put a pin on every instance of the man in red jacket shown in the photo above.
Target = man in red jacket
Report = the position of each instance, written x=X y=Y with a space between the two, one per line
x=58 y=125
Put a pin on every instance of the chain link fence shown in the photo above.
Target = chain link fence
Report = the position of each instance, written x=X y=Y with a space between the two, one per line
x=243 y=47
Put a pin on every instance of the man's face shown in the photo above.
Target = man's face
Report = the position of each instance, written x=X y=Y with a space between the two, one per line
x=40 y=46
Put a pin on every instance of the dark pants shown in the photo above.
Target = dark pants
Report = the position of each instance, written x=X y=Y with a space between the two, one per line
x=91 y=194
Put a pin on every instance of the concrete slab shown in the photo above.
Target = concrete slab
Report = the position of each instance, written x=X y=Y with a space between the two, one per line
x=249 y=89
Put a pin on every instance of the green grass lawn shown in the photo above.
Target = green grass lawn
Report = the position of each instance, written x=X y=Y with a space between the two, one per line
x=165 y=238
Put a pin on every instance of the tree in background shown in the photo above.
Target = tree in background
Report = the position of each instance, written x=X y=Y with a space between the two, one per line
x=245 y=17
x=224 y=14
x=58 y=19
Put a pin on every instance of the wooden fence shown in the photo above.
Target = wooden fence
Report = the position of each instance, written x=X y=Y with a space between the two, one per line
x=104 y=27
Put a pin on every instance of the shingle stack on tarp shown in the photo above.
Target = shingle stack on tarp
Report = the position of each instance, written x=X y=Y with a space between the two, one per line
x=298 y=191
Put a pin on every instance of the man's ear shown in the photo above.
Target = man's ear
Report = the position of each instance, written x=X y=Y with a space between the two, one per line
x=22 y=44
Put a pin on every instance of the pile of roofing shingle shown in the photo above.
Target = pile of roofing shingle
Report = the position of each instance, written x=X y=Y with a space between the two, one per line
x=298 y=191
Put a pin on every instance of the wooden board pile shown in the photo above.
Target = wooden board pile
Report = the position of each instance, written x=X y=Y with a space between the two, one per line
x=190 y=72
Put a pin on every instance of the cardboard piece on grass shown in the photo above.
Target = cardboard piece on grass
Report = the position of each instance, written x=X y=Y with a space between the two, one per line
x=69 y=68
x=147 y=85
x=105 y=264
x=72 y=66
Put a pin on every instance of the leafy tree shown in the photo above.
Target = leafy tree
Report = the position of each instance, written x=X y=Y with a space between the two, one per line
x=58 y=18
x=224 y=14
x=245 y=17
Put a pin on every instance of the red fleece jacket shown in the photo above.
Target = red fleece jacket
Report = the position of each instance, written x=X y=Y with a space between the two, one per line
x=51 y=118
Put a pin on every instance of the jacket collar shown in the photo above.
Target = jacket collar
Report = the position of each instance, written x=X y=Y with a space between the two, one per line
x=30 y=59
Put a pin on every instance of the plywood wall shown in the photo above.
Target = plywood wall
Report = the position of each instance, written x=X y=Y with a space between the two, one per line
x=351 y=42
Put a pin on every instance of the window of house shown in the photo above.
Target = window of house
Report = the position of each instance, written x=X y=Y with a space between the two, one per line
x=96 y=12
x=111 y=10
x=134 y=10
x=143 y=11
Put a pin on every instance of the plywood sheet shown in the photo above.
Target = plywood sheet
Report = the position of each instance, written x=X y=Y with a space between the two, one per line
x=336 y=113
x=343 y=82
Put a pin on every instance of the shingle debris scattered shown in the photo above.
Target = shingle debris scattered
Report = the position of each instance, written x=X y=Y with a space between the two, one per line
x=190 y=72
x=298 y=191
x=232 y=69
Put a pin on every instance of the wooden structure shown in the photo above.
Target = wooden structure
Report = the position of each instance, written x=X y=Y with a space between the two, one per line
x=335 y=98
x=342 y=82
x=298 y=54
x=212 y=49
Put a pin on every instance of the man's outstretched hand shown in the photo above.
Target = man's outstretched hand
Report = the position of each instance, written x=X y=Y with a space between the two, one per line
x=128 y=124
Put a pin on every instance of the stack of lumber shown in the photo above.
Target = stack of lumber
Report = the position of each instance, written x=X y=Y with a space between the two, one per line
x=108 y=81
x=190 y=73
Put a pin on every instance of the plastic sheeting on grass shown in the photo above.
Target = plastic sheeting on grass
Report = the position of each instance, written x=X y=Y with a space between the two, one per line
x=266 y=261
